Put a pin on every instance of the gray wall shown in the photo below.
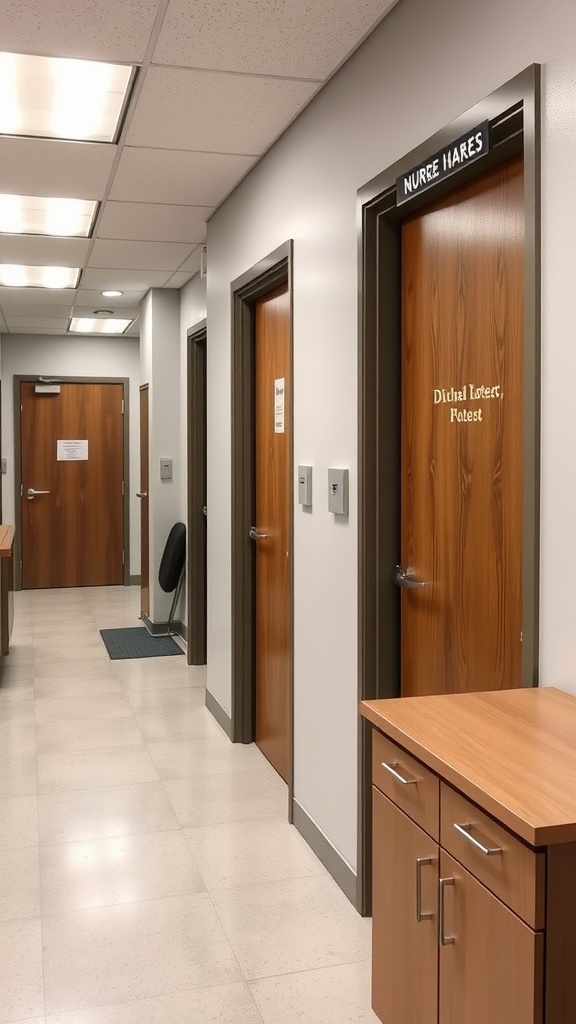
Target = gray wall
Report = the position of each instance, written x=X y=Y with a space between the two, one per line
x=424 y=65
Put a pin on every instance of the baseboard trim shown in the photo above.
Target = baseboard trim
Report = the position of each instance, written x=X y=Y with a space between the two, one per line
x=134 y=581
x=219 y=714
x=335 y=864
x=158 y=628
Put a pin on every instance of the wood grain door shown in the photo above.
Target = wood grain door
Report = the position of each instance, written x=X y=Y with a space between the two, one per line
x=273 y=527
x=144 y=503
x=72 y=453
x=489 y=941
x=462 y=438
x=404 y=949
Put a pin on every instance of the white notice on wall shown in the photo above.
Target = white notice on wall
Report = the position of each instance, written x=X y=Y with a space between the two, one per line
x=279 y=390
x=71 y=451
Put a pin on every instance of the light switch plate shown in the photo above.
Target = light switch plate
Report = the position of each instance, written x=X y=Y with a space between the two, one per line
x=305 y=485
x=338 y=491
x=165 y=469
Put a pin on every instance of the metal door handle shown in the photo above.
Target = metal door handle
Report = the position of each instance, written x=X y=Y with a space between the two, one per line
x=406 y=578
x=205 y=510
x=464 y=830
x=420 y=916
x=393 y=769
x=31 y=493
x=141 y=494
x=445 y=940
x=256 y=535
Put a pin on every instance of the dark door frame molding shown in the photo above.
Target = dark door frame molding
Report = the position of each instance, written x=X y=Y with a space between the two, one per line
x=514 y=115
x=59 y=379
x=196 y=567
x=268 y=274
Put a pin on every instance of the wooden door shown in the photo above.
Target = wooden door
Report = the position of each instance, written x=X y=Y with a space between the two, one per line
x=72 y=453
x=462 y=438
x=196 y=571
x=144 y=504
x=273 y=527
x=404 y=950
x=494 y=969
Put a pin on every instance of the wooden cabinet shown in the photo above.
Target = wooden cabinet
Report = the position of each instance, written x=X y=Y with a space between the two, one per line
x=474 y=858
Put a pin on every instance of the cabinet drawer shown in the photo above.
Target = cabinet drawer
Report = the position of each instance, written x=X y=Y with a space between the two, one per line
x=512 y=871
x=412 y=787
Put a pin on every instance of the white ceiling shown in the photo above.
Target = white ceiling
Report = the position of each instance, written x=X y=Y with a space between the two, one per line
x=218 y=82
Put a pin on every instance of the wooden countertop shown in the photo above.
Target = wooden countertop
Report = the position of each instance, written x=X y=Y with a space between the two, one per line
x=6 y=540
x=511 y=751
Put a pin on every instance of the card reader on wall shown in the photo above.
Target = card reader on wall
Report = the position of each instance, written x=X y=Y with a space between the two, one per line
x=338 y=491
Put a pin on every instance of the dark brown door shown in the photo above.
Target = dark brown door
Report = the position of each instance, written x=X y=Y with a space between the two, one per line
x=72 y=463
x=273 y=527
x=405 y=925
x=144 y=504
x=462 y=353
x=196 y=570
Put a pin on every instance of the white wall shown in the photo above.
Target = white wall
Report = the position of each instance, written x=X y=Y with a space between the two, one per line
x=161 y=369
x=50 y=356
x=424 y=65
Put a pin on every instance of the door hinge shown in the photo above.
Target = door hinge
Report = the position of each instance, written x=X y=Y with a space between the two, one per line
x=21 y=490
x=123 y=490
x=122 y=556
x=122 y=406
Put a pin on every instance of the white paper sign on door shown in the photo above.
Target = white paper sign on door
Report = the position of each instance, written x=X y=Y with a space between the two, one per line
x=72 y=451
x=279 y=391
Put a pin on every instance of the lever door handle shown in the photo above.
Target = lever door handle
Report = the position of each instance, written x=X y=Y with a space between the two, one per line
x=406 y=578
x=141 y=494
x=31 y=493
x=256 y=534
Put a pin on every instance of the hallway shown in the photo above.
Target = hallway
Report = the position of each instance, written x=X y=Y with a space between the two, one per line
x=147 y=870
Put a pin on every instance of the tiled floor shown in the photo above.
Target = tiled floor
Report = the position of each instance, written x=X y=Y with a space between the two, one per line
x=147 y=871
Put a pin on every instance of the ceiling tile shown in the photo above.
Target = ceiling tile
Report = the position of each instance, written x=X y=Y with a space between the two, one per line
x=125 y=312
x=37 y=323
x=154 y=222
x=92 y=298
x=193 y=261
x=295 y=40
x=218 y=113
x=138 y=255
x=46 y=311
x=137 y=280
x=179 y=279
x=102 y=29
x=173 y=176
x=44 y=330
x=16 y=298
x=41 y=251
x=44 y=167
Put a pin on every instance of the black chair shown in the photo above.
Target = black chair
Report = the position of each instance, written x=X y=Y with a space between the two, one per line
x=171 y=571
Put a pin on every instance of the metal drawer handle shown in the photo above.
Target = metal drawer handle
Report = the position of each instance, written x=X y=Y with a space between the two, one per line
x=445 y=940
x=420 y=916
x=392 y=769
x=464 y=830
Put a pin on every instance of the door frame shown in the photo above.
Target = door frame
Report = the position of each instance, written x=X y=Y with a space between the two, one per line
x=265 y=276
x=514 y=115
x=196 y=569
x=35 y=378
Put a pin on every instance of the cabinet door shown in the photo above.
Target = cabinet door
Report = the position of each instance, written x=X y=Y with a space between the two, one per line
x=491 y=970
x=404 y=950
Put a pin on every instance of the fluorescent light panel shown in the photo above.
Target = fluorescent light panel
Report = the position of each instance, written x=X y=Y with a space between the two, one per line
x=39 y=215
x=89 y=325
x=61 y=98
x=14 y=275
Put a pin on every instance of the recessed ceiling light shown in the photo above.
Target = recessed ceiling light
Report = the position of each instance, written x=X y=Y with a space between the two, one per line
x=86 y=325
x=14 y=275
x=111 y=293
x=62 y=98
x=40 y=215
x=103 y=312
